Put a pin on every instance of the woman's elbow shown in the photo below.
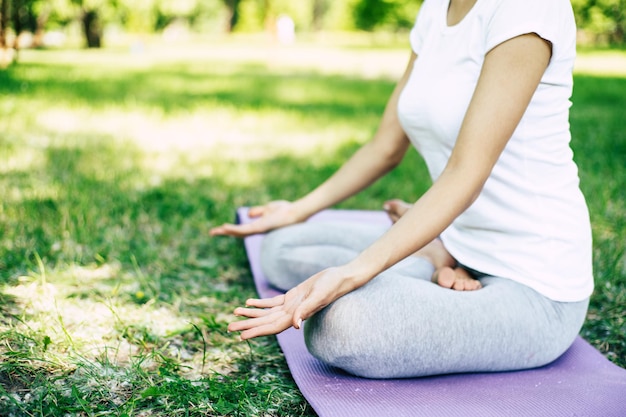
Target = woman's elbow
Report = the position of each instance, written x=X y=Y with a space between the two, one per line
x=393 y=153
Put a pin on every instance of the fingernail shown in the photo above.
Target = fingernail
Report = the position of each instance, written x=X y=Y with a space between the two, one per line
x=299 y=324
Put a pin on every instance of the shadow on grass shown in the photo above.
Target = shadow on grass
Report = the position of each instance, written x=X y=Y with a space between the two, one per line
x=91 y=204
x=8 y=308
x=73 y=214
x=179 y=88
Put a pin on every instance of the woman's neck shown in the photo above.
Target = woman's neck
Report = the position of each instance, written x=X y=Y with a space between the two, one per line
x=458 y=9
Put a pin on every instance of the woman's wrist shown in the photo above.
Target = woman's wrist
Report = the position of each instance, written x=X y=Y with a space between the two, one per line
x=303 y=208
x=360 y=271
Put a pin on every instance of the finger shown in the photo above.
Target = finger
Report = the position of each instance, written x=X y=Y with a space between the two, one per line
x=305 y=310
x=256 y=211
x=238 y=326
x=223 y=230
x=266 y=302
x=216 y=231
x=226 y=229
x=236 y=230
x=267 y=330
x=278 y=320
x=251 y=312
x=299 y=316
x=274 y=327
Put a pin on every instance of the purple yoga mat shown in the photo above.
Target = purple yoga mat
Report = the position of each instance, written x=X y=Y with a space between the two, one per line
x=582 y=382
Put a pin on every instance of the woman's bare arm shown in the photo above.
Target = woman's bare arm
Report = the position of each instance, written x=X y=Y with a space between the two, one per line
x=510 y=75
x=370 y=162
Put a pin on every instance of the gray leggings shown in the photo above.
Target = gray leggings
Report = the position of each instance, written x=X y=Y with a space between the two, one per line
x=402 y=325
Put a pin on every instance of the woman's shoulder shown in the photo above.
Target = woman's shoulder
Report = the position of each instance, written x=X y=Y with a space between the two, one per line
x=536 y=8
x=553 y=20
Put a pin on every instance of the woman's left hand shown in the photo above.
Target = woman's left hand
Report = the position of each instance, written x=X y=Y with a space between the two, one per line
x=273 y=315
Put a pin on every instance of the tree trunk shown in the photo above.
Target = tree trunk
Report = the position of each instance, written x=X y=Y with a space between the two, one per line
x=7 y=54
x=319 y=10
x=92 y=29
x=17 y=21
x=42 y=20
x=233 y=14
x=619 y=17
x=269 y=20
x=4 y=23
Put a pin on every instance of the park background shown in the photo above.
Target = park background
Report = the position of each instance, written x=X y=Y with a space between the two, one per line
x=129 y=128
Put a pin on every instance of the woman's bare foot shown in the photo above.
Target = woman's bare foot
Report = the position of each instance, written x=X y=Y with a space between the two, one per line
x=447 y=273
x=437 y=255
x=396 y=208
x=456 y=278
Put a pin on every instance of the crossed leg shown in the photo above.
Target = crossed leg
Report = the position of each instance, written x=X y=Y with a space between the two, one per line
x=447 y=273
x=401 y=325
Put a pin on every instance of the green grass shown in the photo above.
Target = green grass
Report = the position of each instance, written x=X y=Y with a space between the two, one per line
x=114 y=300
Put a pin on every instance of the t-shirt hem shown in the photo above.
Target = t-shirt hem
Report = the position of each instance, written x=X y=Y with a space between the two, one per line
x=555 y=294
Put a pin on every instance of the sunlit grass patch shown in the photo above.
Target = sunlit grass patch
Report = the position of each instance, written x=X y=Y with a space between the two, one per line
x=114 y=166
x=601 y=62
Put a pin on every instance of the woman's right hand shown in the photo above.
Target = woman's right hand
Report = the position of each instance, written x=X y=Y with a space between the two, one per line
x=267 y=217
x=273 y=315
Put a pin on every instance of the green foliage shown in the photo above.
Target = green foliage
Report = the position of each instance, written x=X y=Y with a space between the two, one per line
x=113 y=299
x=60 y=13
x=600 y=145
x=24 y=15
x=370 y=13
x=387 y=14
x=603 y=19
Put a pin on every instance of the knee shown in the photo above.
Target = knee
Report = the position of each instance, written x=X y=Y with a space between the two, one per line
x=273 y=250
x=329 y=337
x=271 y=247
x=339 y=337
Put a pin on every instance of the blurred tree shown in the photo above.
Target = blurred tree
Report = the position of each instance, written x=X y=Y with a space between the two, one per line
x=4 y=23
x=90 y=11
x=268 y=13
x=92 y=28
x=404 y=13
x=233 y=13
x=61 y=12
x=23 y=16
x=41 y=11
x=391 y=14
x=136 y=16
x=254 y=15
x=371 y=13
x=318 y=12
x=605 y=20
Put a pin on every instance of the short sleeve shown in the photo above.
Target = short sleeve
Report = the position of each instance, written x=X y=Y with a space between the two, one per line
x=552 y=20
x=423 y=23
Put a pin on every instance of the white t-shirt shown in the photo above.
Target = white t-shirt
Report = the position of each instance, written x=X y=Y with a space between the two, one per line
x=530 y=222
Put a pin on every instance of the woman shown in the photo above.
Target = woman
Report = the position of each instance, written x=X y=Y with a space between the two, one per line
x=485 y=100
